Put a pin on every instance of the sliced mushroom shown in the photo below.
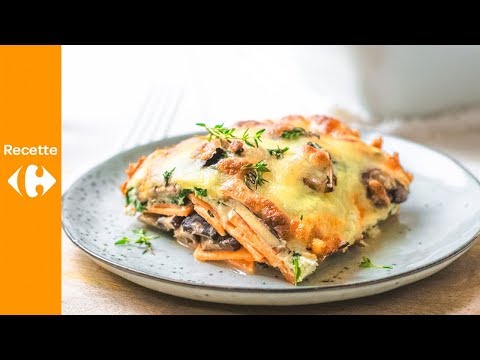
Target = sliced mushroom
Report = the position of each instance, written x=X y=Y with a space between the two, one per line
x=382 y=189
x=236 y=147
x=211 y=152
x=197 y=225
x=377 y=194
x=171 y=222
x=314 y=183
x=195 y=230
x=220 y=243
x=150 y=219
x=216 y=156
x=321 y=177
x=165 y=223
x=398 y=194
x=331 y=181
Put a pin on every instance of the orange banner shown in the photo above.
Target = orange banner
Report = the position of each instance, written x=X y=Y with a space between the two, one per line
x=30 y=191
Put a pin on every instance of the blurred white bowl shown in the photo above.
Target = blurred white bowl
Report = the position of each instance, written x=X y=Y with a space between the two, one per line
x=388 y=80
x=415 y=79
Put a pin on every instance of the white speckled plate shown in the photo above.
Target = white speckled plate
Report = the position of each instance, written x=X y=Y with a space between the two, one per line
x=439 y=222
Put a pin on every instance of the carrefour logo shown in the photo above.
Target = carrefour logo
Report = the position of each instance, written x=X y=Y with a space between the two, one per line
x=46 y=180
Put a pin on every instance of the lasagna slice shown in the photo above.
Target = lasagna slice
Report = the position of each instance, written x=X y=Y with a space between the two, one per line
x=284 y=193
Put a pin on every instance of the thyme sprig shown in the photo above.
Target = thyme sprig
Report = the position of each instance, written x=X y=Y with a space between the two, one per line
x=278 y=153
x=367 y=263
x=294 y=133
x=141 y=239
x=228 y=134
x=253 y=175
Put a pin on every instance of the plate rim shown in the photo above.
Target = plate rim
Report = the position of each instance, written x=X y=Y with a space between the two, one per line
x=295 y=289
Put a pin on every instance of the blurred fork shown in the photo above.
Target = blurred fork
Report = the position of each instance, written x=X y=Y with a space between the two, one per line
x=155 y=119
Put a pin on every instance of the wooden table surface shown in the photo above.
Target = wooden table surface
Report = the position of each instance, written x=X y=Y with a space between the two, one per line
x=89 y=289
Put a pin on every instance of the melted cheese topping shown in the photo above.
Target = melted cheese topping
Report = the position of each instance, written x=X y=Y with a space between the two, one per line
x=318 y=220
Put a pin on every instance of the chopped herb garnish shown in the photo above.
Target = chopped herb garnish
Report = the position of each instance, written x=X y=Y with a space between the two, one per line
x=297 y=272
x=199 y=191
x=228 y=134
x=122 y=241
x=301 y=217
x=278 y=153
x=167 y=175
x=218 y=132
x=141 y=239
x=294 y=133
x=256 y=138
x=367 y=263
x=180 y=198
x=210 y=213
x=139 y=206
x=127 y=196
x=254 y=174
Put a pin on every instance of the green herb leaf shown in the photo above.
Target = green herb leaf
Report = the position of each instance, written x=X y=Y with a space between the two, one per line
x=221 y=132
x=367 y=263
x=180 y=198
x=141 y=239
x=259 y=133
x=127 y=196
x=145 y=240
x=167 y=175
x=257 y=137
x=245 y=137
x=122 y=241
x=278 y=153
x=199 y=191
x=294 y=133
x=218 y=132
x=297 y=272
x=139 y=206
x=254 y=174
x=301 y=217
x=139 y=232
